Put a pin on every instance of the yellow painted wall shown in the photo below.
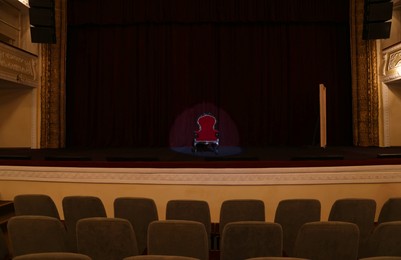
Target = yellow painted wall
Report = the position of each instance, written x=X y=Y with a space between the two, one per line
x=394 y=101
x=16 y=100
x=15 y=116
x=214 y=195
x=394 y=89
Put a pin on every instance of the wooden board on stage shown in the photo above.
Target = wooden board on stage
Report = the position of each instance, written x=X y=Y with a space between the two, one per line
x=323 y=129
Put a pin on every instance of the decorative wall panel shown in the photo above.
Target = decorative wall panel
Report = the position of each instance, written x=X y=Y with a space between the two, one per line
x=18 y=66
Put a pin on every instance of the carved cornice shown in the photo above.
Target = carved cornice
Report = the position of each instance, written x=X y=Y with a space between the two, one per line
x=207 y=176
x=391 y=60
x=18 y=66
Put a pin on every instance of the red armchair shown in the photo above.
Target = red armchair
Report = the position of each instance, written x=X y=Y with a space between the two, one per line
x=206 y=134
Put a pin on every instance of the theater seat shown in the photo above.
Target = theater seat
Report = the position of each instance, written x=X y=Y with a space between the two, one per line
x=53 y=256
x=178 y=238
x=360 y=211
x=36 y=234
x=390 y=211
x=276 y=258
x=195 y=210
x=140 y=212
x=159 y=257
x=79 y=207
x=241 y=210
x=35 y=204
x=106 y=238
x=385 y=240
x=291 y=214
x=245 y=239
x=329 y=240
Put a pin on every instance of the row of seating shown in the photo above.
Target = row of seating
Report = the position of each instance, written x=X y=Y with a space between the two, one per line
x=141 y=211
x=103 y=238
x=290 y=214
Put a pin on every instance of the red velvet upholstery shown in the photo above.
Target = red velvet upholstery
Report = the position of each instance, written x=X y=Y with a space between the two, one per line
x=207 y=134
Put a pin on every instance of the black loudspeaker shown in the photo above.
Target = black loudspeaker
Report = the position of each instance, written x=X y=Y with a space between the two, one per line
x=42 y=20
x=377 y=19
x=378 y=11
x=376 y=30
x=41 y=3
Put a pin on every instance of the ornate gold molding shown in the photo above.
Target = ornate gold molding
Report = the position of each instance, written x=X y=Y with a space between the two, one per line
x=364 y=81
x=53 y=84
x=18 y=66
x=391 y=60
x=207 y=176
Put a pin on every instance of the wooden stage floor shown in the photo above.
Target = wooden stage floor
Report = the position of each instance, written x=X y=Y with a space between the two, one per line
x=185 y=157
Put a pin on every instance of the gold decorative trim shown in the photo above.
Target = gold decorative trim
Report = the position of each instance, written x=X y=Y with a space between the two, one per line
x=365 y=96
x=395 y=60
x=53 y=84
x=207 y=176
x=18 y=66
x=391 y=59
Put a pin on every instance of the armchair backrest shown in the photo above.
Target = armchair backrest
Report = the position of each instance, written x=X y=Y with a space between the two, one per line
x=207 y=131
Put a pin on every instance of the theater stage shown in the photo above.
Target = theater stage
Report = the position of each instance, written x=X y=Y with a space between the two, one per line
x=269 y=173
x=178 y=157
x=230 y=166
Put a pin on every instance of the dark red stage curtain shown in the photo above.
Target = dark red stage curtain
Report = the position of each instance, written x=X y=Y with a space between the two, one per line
x=139 y=72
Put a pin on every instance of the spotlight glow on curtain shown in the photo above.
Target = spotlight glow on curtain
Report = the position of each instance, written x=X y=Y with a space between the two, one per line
x=134 y=66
